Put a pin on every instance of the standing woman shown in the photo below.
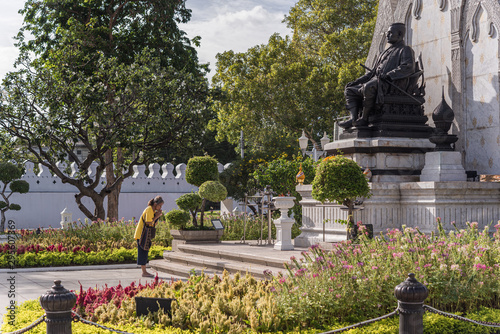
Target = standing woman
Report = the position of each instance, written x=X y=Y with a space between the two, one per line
x=143 y=234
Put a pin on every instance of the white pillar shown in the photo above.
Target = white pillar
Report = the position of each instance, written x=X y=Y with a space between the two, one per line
x=284 y=223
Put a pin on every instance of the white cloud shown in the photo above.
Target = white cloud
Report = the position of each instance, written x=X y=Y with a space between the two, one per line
x=222 y=24
x=235 y=30
x=10 y=23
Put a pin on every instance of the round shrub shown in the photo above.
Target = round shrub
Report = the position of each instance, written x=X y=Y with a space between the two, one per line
x=189 y=202
x=177 y=218
x=9 y=172
x=15 y=207
x=19 y=186
x=201 y=169
x=338 y=179
x=213 y=191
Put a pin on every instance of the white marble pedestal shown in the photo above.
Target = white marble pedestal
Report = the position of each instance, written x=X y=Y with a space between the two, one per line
x=284 y=223
x=443 y=166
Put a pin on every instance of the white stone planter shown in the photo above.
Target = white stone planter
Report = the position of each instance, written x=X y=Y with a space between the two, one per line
x=284 y=223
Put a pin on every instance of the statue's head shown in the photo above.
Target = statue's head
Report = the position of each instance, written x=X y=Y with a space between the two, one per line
x=396 y=33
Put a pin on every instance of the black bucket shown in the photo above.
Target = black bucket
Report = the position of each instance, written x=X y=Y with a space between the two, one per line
x=145 y=305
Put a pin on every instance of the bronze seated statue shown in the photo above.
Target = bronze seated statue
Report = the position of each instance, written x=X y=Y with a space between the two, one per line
x=388 y=99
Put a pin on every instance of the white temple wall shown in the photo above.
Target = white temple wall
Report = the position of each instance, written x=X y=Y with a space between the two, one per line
x=48 y=196
x=481 y=95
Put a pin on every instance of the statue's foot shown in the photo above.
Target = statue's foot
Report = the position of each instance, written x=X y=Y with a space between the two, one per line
x=360 y=123
x=346 y=124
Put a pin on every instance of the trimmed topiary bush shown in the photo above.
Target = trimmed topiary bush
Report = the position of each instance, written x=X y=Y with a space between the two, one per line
x=201 y=169
x=178 y=218
x=198 y=171
x=9 y=175
x=339 y=179
x=213 y=191
x=190 y=202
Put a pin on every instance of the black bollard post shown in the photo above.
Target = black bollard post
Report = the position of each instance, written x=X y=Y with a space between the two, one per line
x=411 y=295
x=57 y=304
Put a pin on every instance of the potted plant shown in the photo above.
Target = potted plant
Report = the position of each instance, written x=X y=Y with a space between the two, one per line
x=199 y=169
x=182 y=234
x=339 y=179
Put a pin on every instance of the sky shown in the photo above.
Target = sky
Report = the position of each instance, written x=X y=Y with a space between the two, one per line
x=222 y=25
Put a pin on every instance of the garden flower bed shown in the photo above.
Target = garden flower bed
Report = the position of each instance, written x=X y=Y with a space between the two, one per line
x=99 y=242
x=326 y=289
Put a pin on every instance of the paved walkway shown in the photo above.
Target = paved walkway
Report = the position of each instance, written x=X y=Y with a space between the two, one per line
x=31 y=283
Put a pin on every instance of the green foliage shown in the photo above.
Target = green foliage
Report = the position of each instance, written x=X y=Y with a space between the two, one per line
x=280 y=175
x=339 y=179
x=238 y=179
x=237 y=225
x=15 y=207
x=189 y=202
x=66 y=258
x=201 y=169
x=9 y=172
x=213 y=191
x=9 y=175
x=178 y=218
x=19 y=186
x=117 y=78
x=274 y=91
x=95 y=236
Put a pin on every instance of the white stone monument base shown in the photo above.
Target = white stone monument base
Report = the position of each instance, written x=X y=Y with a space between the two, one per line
x=443 y=166
x=390 y=159
x=413 y=204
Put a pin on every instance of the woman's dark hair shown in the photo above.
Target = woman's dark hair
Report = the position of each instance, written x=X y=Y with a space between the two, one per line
x=156 y=200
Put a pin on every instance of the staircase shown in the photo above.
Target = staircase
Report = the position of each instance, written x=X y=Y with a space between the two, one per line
x=231 y=256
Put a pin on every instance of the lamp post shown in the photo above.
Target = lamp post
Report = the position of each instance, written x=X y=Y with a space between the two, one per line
x=315 y=154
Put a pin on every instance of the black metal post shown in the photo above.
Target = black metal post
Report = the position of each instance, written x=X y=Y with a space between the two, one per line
x=57 y=304
x=411 y=295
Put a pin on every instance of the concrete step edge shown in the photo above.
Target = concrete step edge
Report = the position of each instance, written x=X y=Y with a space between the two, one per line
x=185 y=270
x=241 y=257
x=218 y=264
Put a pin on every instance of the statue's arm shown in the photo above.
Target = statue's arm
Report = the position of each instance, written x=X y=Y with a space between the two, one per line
x=406 y=65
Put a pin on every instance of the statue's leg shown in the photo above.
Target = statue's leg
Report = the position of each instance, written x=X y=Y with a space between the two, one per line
x=370 y=93
x=353 y=98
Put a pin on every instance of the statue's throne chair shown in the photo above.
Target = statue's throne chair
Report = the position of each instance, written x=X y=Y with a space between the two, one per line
x=402 y=113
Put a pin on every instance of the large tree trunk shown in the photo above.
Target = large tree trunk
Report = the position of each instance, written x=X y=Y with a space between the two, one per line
x=113 y=197
x=99 y=212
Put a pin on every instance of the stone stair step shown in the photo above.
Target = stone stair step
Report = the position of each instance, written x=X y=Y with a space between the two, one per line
x=219 y=265
x=228 y=255
x=178 y=269
x=185 y=269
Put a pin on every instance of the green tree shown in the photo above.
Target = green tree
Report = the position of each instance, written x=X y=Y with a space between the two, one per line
x=198 y=171
x=9 y=176
x=271 y=92
x=339 y=179
x=281 y=174
x=294 y=83
x=116 y=77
